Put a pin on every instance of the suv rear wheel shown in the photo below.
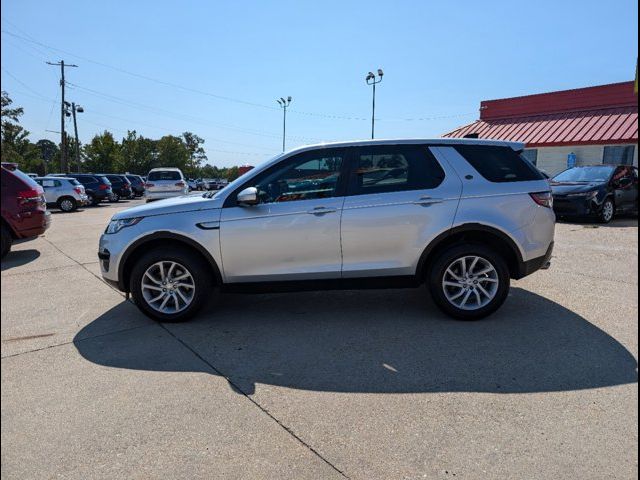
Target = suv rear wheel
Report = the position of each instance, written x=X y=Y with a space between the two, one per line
x=469 y=282
x=170 y=285
x=67 y=204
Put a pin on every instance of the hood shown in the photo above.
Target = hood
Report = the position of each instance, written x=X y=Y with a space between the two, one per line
x=184 y=203
x=566 y=188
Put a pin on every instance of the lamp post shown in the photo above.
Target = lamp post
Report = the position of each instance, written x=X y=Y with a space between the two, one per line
x=284 y=104
x=371 y=79
x=76 y=108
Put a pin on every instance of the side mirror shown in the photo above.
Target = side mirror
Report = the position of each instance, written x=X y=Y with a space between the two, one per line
x=248 y=197
x=625 y=182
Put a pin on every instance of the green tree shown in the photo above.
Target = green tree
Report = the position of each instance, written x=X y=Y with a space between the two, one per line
x=172 y=152
x=14 y=144
x=197 y=156
x=137 y=154
x=102 y=153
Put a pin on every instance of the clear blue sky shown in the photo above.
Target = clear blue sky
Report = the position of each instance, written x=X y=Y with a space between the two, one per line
x=440 y=59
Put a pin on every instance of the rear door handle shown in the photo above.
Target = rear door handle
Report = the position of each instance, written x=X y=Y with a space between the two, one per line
x=321 y=210
x=427 y=200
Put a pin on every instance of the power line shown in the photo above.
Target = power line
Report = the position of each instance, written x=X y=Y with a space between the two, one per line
x=227 y=98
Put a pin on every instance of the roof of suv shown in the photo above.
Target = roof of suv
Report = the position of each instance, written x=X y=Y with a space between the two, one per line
x=165 y=169
x=412 y=141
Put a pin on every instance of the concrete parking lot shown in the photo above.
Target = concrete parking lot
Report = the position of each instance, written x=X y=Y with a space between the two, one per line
x=371 y=384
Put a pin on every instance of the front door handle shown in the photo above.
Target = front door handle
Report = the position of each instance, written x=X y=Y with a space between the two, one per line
x=321 y=210
x=427 y=200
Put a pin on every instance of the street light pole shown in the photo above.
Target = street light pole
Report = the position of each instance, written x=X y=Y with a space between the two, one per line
x=371 y=79
x=76 y=108
x=63 y=112
x=284 y=104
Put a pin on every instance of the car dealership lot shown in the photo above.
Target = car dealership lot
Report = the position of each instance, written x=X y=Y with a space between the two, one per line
x=357 y=384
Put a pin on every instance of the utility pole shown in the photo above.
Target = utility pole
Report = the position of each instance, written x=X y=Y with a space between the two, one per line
x=63 y=112
x=76 y=108
x=371 y=80
x=284 y=104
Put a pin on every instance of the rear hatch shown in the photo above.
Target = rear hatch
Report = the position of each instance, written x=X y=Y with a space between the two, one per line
x=164 y=181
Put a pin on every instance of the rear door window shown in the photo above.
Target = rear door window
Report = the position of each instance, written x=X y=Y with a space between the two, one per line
x=393 y=168
x=87 y=180
x=499 y=164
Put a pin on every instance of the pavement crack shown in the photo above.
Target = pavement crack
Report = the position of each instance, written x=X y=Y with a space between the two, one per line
x=255 y=403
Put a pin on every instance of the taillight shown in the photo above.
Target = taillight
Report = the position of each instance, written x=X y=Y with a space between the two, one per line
x=149 y=185
x=102 y=186
x=28 y=196
x=179 y=184
x=78 y=190
x=544 y=199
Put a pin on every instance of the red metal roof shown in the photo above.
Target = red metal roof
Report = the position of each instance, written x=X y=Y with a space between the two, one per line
x=607 y=114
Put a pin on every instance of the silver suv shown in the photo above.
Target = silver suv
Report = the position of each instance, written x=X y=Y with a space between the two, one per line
x=462 y=216
x=63 y=192
x=165 y=183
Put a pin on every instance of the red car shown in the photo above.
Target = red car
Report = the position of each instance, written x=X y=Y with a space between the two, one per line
x=24 y=209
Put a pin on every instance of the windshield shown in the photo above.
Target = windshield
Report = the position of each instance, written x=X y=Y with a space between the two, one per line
x=585 y=174
x=240 y=180
x=164 y=175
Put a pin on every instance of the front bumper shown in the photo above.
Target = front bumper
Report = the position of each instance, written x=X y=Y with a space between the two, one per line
x=564 y=206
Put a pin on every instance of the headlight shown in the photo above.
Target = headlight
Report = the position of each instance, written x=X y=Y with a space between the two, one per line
x=116 y=225
x=584 y=194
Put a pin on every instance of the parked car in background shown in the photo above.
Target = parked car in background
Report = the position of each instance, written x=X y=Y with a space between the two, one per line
x=165 y=183
x=192 y=184
x=97 y=187
x=23 y=206
x=137 y=184
x=65 y=193
x=120 y=187
x=596 y=191
x=463 y=216
x=199 y=184
x=32 y=175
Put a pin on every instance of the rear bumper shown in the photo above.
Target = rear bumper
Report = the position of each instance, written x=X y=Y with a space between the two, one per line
x=535 y=264
x=160 y=195
x=32 y=224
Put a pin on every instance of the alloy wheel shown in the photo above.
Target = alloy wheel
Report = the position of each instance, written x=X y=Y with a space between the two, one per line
x=168 y=287
x=607 y=211
x=470 y=282
x=66 y=205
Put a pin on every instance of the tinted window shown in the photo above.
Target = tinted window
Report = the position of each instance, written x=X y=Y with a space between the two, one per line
x=134 y=180
x=499 y=164
x=104 y=180
x=306 y=176
x=87 y=180
x=585 y=174
x=394 y=168
x=24 y=178
x=164 y=175
x=114 y=178
x=73 y=182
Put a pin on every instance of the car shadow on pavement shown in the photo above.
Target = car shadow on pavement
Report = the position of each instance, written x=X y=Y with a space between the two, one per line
x=17 y=258
x=377 y=341
x=621 y=222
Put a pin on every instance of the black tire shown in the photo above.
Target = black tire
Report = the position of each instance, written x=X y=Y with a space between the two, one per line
x=92 y=200
x=192 y=262
x=115 y=198
x=67 y=204
x=603 y=216
x=446 y=258
x=7 y=240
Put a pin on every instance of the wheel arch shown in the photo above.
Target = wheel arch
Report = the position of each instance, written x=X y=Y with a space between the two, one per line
x=165 y=240
x=473 y=233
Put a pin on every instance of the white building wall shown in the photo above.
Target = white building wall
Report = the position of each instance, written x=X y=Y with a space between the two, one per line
x=554 y=159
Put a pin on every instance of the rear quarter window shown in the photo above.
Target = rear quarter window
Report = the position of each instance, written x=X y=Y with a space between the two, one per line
x=499 y=164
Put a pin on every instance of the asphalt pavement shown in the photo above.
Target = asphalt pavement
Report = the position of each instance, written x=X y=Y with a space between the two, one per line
x=374 y=384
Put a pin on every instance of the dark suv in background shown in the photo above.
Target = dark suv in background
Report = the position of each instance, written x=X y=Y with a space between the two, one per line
x=24 y=208
x=137 y=184
x=600 y=191
x=97 y=187
x=120 y=186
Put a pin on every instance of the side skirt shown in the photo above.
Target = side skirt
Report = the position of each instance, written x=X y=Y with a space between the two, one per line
x=333 y=284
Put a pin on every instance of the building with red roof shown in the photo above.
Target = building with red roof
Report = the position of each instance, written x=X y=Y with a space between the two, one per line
x=591 y=125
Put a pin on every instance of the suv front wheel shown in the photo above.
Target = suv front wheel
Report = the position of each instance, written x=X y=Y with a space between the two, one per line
x=170 y=284
x=469 y=282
